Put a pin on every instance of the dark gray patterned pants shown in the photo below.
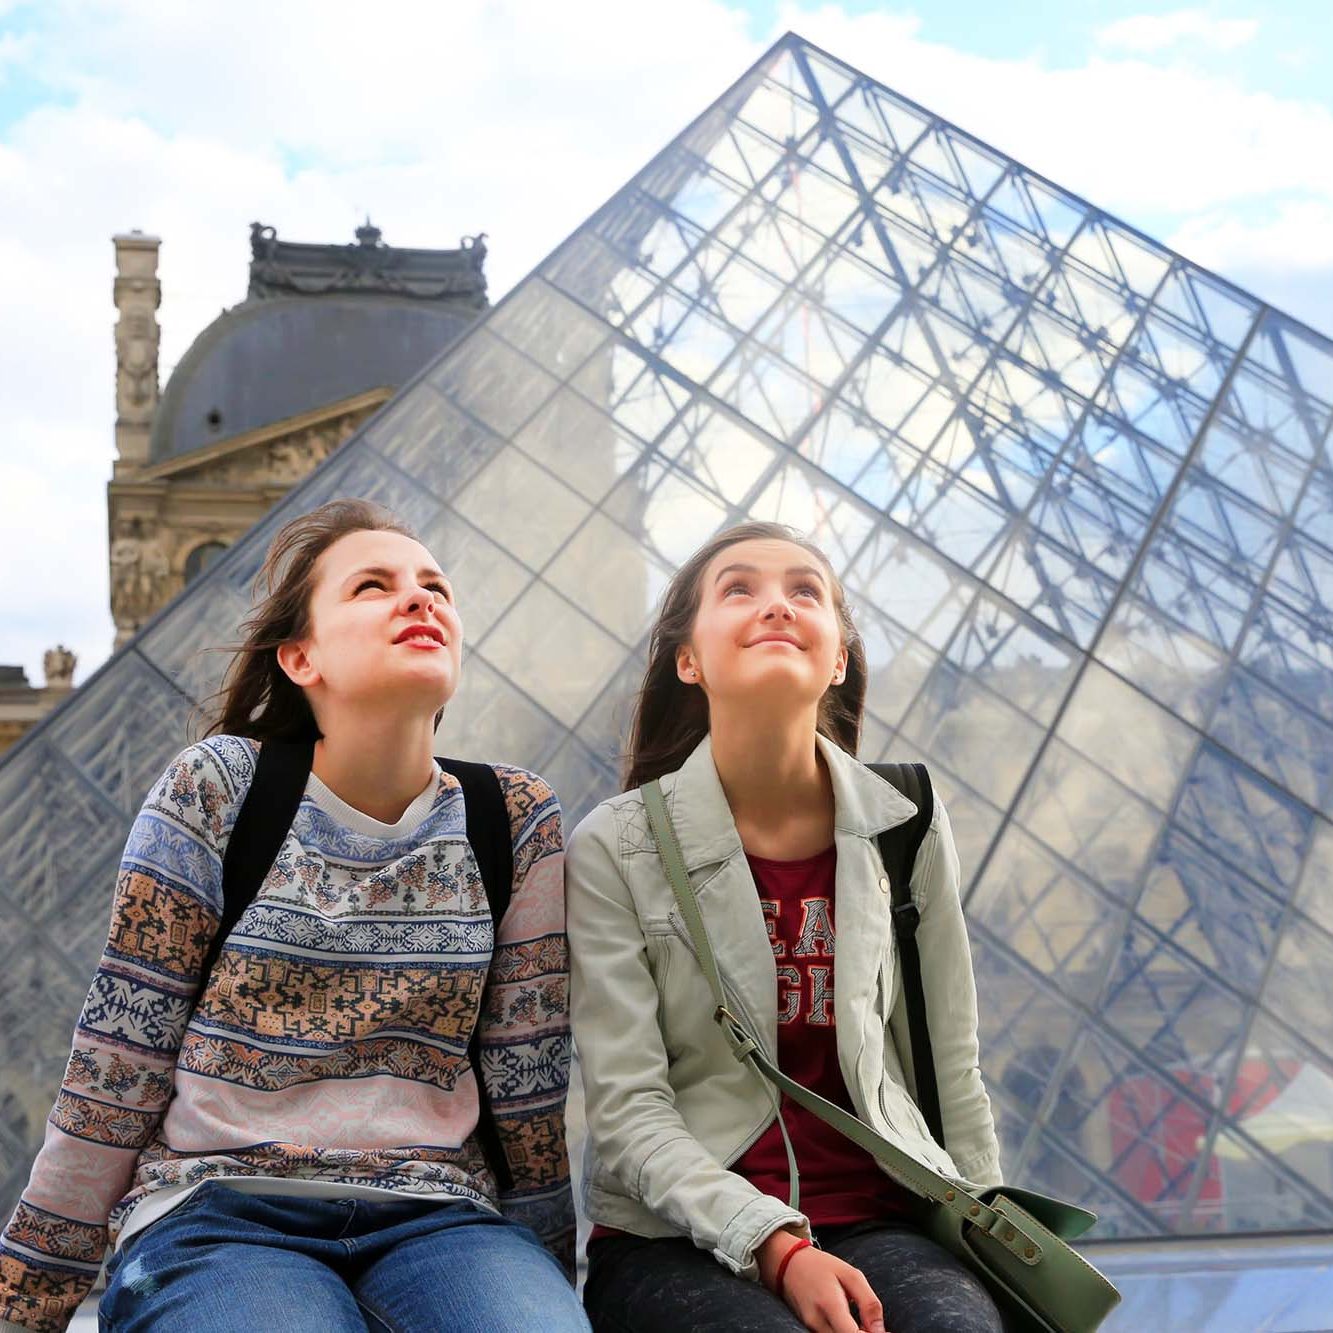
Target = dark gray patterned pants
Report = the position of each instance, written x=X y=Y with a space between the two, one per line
x=670 y=1286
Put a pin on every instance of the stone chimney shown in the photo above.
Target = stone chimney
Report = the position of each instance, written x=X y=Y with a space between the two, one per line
x=138 y=294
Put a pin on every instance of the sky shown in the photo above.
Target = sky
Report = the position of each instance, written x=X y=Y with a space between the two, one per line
x=1208 y=126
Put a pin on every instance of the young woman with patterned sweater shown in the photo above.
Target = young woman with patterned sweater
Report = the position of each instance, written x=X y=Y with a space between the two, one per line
x=750 y=717
x=290 y=1141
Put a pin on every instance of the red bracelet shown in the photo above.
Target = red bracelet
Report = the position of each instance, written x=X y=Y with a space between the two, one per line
x=782 y=1267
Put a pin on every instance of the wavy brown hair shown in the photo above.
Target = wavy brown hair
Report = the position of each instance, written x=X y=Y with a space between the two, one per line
x=670 y=718
x=257 y=699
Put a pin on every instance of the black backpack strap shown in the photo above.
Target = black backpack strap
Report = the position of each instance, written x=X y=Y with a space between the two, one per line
x=898 y=848
x=261 y=827
x=492 y=842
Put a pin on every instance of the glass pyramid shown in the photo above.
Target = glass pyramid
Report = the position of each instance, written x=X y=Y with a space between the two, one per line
x=1082 y=495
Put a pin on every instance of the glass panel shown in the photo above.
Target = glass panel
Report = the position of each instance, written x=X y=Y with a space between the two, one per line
x=1314 y=515
x=610 y=577
x=579 y=781
x=1279 y=739
x=1090 y=819
x=1120 y=460
x=1292 y=652
x=1231 y=530
x=497 y=385
x=897 y=663
x=1025 y=1032
x=973 y=819
x=599 y=275
x=1143 y=1128
x=1208 y=908
x=119 y=749
x=639 y=395
x=1060 y=589
x=419 y=435
x=1314 y=894
x=1160 y=1002
x=766 y=391
x=605 y=730
x=1303 y=578
x=1018 y=659
x=1299 y=990
x=1046 y=914
x=183 y=641
x=717 y=451
x=1257 y=827
x=1281 y=1107
x=1203 y=596
x=672 y=513
x=553 y=652
x=490 y=721
x=534 y=511
x=1128 y=735
x=550 y=329
x=1180 y=669
x=581 y=445
x=800 y=497
x=56 y=826
x=902 y=578
x=973 y=731
x=950 y=516
x=1248 y=464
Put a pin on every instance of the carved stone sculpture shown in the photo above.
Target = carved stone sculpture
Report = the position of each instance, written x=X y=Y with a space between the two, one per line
x=58 y=664
x=141 y=578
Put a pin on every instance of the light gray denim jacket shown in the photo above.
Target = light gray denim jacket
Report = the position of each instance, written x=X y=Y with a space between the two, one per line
x=669 y=1108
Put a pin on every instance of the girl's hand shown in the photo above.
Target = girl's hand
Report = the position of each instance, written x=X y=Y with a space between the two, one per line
x=819 y=1288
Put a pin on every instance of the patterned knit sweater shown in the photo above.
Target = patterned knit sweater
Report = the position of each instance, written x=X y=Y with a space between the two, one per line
x=330 y=1043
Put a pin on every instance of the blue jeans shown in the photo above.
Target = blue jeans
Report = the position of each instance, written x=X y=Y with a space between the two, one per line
x=227 y=1262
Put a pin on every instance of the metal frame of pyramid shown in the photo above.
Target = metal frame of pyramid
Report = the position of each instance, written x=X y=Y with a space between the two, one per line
x=1081 y=493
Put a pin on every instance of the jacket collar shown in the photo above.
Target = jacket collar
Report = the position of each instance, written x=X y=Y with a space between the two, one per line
x=864 y=804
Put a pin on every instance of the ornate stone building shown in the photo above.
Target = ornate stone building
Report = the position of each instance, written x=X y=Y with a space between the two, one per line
x=23 y=704
x=325 y=335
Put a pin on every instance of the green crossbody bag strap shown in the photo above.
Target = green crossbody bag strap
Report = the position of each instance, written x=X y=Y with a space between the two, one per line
x=906 y=1170
x=664 y=834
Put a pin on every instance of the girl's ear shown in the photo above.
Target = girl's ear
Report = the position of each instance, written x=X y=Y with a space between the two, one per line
x=296 y=664
x=686 y=668
x=840 y=669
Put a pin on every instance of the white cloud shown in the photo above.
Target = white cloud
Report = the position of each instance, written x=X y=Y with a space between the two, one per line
x=14 y=48
x=1285 y=257
x=514 y=117
x=1137 y=138
x=1148 y=33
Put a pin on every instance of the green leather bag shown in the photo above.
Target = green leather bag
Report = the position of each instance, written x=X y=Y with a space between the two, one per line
x=1013 y=1239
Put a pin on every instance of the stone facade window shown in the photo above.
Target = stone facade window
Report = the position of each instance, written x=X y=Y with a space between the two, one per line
x=201 y=557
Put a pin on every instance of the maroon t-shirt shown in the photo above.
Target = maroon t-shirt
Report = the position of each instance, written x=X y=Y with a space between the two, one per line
x=840 y=1182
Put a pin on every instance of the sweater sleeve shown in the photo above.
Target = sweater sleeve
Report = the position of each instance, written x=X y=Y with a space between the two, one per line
x=119 y=1076
x=525 y=1042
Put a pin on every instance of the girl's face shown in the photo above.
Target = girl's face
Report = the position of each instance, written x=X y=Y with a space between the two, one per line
x=767 y=630
x=383 y=627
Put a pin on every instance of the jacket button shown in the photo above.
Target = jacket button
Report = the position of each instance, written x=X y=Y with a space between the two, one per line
x=883 y=884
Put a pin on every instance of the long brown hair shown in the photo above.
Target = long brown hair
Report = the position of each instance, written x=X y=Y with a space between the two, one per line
x=257 y=699
x=671 y=718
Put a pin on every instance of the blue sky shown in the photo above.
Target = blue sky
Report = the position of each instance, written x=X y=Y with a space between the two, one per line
x=1208 y=126
x=1282 y=55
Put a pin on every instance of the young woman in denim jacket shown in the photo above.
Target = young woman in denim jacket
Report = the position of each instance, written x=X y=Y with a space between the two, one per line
x=750 y=716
